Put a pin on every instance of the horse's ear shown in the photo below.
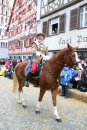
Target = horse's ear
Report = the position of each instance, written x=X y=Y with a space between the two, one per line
x=69 y=47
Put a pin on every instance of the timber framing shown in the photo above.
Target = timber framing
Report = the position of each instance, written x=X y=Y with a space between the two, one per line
x=49 y=8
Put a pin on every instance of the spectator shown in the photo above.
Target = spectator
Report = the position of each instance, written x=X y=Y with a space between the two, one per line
x=78 y=78
x=83 y=63
x=84 y=80
x=66 y=76
x=74 y=75
x=7 y=63
x=14 y=63
x=54 y=31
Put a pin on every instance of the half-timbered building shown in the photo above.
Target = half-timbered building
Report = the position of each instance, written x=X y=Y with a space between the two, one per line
x=63 y=21
x=22 y=28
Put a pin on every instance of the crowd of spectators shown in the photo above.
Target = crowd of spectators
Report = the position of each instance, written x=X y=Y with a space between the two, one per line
x=78 y=79
x=73 y=78
x=7 y=66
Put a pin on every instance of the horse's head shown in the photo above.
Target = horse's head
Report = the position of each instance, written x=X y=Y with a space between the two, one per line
x=71 y=58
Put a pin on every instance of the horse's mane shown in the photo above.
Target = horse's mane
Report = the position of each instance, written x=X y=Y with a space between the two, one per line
x=58 y=53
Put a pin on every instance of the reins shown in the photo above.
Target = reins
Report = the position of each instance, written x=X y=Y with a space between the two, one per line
x=61 y=64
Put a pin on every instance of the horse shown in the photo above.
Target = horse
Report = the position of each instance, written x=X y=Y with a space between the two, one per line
x=49 y=78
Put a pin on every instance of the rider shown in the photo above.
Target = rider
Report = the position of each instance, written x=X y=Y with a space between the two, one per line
x=40 y=51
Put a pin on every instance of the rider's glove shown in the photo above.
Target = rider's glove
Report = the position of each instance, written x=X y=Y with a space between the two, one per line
x=38 y=53
x=45 y=57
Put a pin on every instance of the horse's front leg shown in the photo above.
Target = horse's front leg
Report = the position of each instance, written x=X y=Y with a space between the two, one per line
x=42 y=92
x=54 y=97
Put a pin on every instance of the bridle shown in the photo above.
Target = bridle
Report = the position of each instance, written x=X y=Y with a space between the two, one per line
x=62 y=64
x=72 y=63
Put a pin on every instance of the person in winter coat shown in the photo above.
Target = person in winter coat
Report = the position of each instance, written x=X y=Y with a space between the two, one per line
x=66 y=76
x=83 y=86
x=74 y=75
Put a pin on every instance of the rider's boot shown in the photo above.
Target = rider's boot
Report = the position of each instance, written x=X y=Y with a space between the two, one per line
x=29 y=75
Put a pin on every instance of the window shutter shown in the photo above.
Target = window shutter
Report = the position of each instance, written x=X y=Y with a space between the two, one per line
x=45 y=28
x=30 y=41
x=74 y=19
x=62 y=23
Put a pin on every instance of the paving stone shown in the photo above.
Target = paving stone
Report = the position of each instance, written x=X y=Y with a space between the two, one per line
x=14 y=117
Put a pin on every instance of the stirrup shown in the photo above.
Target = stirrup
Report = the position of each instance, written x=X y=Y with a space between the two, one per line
x=26 y=84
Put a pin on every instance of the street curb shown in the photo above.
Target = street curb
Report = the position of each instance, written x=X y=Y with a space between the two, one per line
x=74 y=93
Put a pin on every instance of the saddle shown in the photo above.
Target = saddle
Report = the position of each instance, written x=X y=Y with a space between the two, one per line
x=38 y=69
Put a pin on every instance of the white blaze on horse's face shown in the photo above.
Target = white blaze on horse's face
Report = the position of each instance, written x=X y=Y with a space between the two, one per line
x=78 y=60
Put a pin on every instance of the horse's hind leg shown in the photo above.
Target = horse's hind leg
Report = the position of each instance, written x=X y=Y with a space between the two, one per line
x=54 y=96
x=20 y=93
x=42 y=91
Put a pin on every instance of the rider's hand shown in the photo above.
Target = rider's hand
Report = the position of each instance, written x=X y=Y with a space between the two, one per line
x=45 y=57
x=38 y=53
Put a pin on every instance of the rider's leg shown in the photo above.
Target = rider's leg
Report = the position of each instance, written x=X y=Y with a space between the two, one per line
x=29 y=75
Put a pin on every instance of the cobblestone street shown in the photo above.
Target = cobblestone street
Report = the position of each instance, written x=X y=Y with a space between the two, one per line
x=14 y=117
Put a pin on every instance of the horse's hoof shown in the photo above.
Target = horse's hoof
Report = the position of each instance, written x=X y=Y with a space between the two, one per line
x=37 y=112
x=19 y=102
x=58 y=120
x=24 y=106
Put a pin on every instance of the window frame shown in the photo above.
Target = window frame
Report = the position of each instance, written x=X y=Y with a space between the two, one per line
x=80 y=15
x=58 y=26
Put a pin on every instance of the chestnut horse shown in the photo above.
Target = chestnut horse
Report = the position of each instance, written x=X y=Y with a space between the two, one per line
x=49 y=78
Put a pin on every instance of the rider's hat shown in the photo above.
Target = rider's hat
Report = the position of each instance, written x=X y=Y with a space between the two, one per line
x=43 y=34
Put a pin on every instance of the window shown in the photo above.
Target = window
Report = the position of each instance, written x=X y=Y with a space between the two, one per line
x=14 y=32
x=19 y=44
x=29 y=7
x=1 y=19
x=0 y=32
x=1 y=44
x=27 y=42
x=6 y=12
x=6 y=20
x=6 y=44
x=2 y=10
x=19 y=29
x=83 y=17
x=74 y=19
x=54 y=26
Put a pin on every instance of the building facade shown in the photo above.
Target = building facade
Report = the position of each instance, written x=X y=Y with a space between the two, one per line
x=4 y=18
x=63 y=21
x=22 y=28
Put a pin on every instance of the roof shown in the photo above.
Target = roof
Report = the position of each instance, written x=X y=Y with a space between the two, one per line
x=11 y=15
x=35 y=1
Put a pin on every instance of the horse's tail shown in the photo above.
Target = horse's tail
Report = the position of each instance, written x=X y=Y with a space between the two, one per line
x=14 y=83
